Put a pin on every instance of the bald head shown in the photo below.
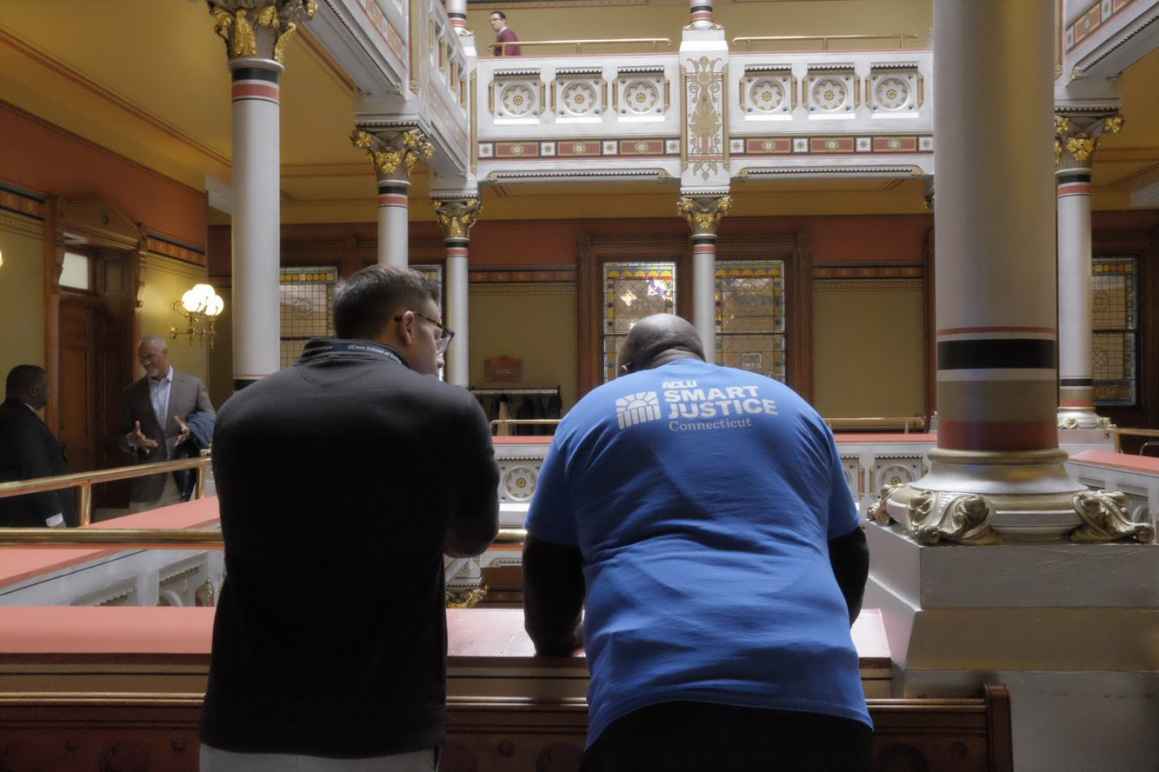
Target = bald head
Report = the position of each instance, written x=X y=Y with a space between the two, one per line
x=657 y=340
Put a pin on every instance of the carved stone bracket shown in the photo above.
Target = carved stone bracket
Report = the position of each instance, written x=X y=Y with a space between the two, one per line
x=937 y=518
x=457 y=216
x=259 y=28
x=394 y=155
x=1076 y=136
x=1106 y=518
x=704 y=213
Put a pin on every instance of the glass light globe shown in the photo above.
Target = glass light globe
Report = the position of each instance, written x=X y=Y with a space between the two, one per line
x=214 y=306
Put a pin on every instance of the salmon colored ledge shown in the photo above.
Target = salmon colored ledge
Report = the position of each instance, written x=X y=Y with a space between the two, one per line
x=103 y=633
x=18 y=564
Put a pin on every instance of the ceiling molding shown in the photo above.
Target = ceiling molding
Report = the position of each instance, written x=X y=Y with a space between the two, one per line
x=62 y=69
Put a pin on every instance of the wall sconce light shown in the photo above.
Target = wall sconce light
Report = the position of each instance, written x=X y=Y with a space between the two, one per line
x=200 y=306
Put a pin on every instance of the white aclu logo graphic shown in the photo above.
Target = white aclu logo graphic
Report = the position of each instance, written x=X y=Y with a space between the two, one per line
x=637 y=408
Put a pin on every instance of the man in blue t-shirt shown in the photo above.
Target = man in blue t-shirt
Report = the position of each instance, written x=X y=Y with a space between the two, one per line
x=704 y=513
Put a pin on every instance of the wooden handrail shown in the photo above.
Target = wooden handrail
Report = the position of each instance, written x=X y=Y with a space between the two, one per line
x=579 y=44
x=919 y=422
x=86 y=480
x=1120 y=432
x=748 y=40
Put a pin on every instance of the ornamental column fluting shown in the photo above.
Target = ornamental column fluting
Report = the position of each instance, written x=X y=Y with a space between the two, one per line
x=1076 y=137
x=255 y=36
x=456 y=217
x=394 y=155
x=997 y=473
x=703 y=214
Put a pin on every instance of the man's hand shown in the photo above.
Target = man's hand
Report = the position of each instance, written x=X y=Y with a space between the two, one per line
x=184 y=436
x=137 y=438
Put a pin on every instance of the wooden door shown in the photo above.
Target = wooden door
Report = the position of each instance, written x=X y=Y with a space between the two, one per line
x=77 y=430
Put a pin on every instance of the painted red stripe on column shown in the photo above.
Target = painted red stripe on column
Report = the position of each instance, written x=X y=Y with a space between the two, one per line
x=997 y=435
x=980 y=330
x=703 y=248
x=1075 y=189
x=392 y=199
x=456 y=251
x=253 y=90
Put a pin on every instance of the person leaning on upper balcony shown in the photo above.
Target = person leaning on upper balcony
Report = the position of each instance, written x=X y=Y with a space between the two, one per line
x=704 y=512
x=27 y=451
x=504 y=34
x=342 y=481
x=157 y=410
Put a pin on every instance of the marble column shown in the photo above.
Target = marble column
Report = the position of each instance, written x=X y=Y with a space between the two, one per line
x=394 y=155
x=700 y=14
x=457 y=15
x=703 y=214
x=997 y=473
x=456 y=217
x=1076 y=138
x=255 y=39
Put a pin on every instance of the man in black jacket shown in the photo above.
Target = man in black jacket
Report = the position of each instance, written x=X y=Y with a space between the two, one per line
x=343 y=481
x=28 y=450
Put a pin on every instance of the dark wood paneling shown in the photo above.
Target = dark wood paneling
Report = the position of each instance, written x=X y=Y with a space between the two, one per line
x=135 y=734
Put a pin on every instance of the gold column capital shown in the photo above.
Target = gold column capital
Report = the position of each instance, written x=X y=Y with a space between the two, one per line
x=393 y=154
x=259 y=28
x=457 y=216
x=704 y=213
x=1076 y=136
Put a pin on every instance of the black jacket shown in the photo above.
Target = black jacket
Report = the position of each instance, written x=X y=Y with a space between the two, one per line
x=342 y=480
x=28 y=450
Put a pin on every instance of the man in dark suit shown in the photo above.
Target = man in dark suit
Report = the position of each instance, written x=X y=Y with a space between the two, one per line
x=342 y=482
x=28 y=450
x=157 y=410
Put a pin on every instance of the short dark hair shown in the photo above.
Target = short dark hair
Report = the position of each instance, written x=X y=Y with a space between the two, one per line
x=23 y=380
x=500 y=14
x=365 y=303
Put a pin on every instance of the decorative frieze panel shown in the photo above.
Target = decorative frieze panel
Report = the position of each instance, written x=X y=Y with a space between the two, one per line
x=830 y=145
x=894 y=89
x=579 y=94
x=642 y=147
x=641 y=93
x=516 y=96
x=896 y=470
x=706 y=149
x=768 y=91
x=831 y=90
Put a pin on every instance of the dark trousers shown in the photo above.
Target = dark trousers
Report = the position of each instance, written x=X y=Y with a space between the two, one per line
x=697 y=736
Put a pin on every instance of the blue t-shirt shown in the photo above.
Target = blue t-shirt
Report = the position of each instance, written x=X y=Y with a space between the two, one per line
x=702 y=499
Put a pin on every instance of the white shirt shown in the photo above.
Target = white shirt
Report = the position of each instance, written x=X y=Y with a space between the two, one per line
x=159 y=395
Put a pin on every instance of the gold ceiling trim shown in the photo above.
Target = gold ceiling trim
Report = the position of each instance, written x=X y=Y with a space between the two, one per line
x=67 y=72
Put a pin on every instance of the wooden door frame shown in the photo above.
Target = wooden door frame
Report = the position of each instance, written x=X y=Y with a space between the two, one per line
x=594 y=250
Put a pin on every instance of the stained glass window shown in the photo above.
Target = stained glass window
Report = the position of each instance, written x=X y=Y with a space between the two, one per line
x=750 y=316
x=307 y=299
x=434 y=274
x=1115 y=322
x=633 y=291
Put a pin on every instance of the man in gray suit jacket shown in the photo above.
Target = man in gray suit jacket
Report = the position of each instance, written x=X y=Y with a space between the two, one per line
x=157 y=409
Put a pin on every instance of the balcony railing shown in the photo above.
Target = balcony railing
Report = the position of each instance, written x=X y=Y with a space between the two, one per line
x=746 y=42
x=634 y=44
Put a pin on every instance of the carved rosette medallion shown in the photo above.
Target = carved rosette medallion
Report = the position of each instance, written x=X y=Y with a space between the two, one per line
x=704 y=213
x=457 y=216
x=259 y=29
x=394 y=154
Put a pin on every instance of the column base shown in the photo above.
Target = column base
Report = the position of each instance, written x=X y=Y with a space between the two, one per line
x=973 y=497
x=1081 y=418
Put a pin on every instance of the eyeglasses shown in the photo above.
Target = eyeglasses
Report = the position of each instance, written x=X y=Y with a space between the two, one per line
x=445 y=333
